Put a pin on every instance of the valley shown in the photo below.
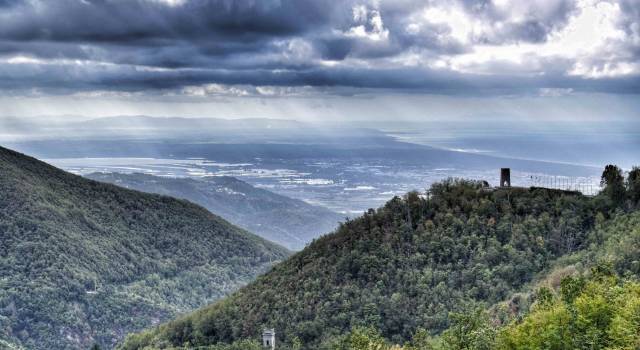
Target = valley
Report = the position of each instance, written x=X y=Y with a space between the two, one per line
x=289 y=222
x=347 y=178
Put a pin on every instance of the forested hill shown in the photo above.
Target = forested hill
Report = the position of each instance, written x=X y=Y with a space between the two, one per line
x=83 y=262
x=399 y=268
x=286 y=221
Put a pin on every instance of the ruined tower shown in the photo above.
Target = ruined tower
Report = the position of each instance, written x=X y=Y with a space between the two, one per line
x=505 y=177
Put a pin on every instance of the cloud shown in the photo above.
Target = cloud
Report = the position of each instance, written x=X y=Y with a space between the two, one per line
x=554 y=92
x=368 y=24
x=447 y=47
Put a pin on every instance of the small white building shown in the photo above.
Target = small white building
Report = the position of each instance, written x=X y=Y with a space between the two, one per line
x=269 y=339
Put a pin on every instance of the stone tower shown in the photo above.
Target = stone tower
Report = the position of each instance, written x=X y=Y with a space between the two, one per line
x=505 y=177
x=269 y=339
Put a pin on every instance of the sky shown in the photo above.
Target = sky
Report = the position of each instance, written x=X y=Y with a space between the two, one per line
x=413 y=60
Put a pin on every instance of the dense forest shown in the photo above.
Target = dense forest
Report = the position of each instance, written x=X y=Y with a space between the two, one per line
x=415 y=267
x=598 y=311
x=289 y=222
x=588 y=300
x=84 y=263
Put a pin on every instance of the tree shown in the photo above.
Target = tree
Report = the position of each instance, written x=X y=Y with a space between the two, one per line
x=570 y=288
x=470 y=330
x=633 y=185
x=296 y=343
x=364 y=339
x=421 y=341
x=613 y=182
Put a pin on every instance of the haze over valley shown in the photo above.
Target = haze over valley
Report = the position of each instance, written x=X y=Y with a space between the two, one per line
x=343 y=168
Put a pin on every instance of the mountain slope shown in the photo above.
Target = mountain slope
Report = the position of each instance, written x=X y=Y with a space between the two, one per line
x=589 y=299
x=398 y=268
x=594 y=294
x=84 y=262
x=286 y=221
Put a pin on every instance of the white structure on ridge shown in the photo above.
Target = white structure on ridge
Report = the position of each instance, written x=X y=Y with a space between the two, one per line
x=269 y=339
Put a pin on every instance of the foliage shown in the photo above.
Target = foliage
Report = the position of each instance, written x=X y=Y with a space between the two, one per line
x=615 y=241
x=470 y=330
x=364 y=339
x=613 y=182
x=599 y=313
x=244 y=344
x=614 y=250
x=398 y=269
x=83 y=262
x=633 y=185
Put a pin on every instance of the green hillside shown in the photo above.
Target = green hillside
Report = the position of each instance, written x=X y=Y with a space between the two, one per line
x=289 y=222
x=83 y=262
x=589 y=300
x=401 y=268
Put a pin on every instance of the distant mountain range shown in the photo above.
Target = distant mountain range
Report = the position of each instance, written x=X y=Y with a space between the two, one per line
x=289 y=222
x=557 y=142
x=242 y=130
x=84 y=262
x=172 y=123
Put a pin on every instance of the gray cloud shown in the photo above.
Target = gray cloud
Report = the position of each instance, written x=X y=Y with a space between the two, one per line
x=431 y=46
x=119 y=21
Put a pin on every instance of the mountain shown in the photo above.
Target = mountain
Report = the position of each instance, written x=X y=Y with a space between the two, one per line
x=289 y=222
x=124 y=123
x=597 y=299
x=589 y=299
x=399 y=268
x=243 y=130
x=84 y=262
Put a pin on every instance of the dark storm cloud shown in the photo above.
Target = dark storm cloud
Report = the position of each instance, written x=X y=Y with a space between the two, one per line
x=132 y=45
x=122 y=21
x=7 y=3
